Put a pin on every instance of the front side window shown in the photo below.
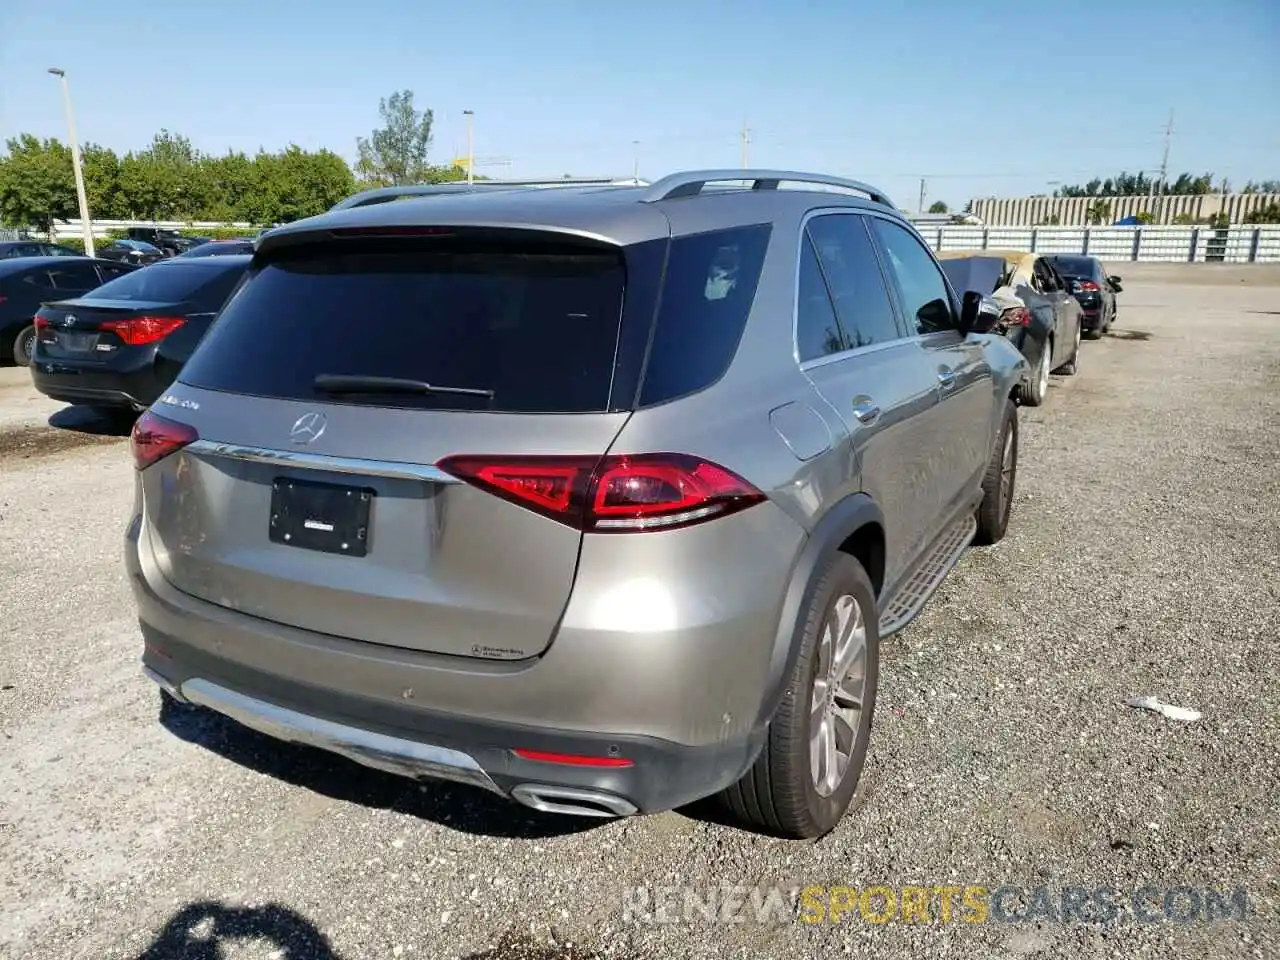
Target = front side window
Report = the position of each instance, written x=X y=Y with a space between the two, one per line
x=922 y=290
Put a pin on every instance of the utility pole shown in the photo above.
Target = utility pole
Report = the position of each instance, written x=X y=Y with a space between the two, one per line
x=86 y=225
x=471 y=145
x=746 y=139
x=635 y=160
x=1164 y=164
x=921 y=195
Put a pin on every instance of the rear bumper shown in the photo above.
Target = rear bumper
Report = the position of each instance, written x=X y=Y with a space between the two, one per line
x=136 y=389
x=1091 y=318
x=683 y=704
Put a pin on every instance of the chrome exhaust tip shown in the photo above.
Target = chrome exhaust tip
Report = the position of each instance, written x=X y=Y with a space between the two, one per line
x=572 y=801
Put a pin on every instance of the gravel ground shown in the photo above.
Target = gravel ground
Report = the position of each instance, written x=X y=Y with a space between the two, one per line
x=1143 y=558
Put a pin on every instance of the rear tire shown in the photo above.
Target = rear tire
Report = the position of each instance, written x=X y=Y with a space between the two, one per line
x=1033 y=393
x=804 y=780
x=23 y=346
x=999 y=482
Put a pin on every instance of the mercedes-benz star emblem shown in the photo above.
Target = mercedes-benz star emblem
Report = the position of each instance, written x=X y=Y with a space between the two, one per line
x=69 y=319
x=308 y=427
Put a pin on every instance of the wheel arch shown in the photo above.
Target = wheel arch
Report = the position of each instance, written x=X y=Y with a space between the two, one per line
x=854 y=526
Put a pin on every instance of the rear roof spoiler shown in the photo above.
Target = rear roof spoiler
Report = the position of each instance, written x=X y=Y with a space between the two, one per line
x=385 y=194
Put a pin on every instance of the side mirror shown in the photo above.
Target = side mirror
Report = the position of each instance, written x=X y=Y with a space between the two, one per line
x=1115 y=283
x=978 y=314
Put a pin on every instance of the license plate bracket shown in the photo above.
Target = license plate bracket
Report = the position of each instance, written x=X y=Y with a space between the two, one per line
x=327 y=517
x=78 y=342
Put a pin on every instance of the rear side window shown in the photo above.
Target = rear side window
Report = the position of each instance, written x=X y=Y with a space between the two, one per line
x=170 y=283
x=536 y=324
x=853 y=274
x=707 y=294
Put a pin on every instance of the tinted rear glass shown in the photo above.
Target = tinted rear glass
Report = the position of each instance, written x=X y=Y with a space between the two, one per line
x=170 y=283
x=536 y=325
x=1073 y=266
x=706 y=297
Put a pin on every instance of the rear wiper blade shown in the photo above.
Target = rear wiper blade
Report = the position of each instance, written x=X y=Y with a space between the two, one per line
x=345 y=383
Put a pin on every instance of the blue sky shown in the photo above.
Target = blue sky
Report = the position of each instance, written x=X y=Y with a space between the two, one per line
x=981 y=97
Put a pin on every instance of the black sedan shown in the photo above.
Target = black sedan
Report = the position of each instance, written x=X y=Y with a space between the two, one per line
x=35 y=248
x=1093 y=288
x=219 y=248
x=27 y=282
x=124 y=345
x=137 y=252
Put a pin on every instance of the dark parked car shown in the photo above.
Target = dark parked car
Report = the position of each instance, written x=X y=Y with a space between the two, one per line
x=169 y=241
x=34 y=248
x=219 y=248
x=137 y=252
x=27 y=282
x=1038 y=314
x=1096 y=291
x=125 y=344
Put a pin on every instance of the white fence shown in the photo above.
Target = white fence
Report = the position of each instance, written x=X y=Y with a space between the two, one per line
x=1147 y=243
x=70 y=230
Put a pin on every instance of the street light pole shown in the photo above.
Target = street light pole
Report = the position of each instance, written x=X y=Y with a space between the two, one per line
x=86 y=225
x=471 y=145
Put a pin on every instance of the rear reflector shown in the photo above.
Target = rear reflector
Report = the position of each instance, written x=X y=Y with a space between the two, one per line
x=616 y=494
x=154 y=438
x=572 y=759
x=137 y=331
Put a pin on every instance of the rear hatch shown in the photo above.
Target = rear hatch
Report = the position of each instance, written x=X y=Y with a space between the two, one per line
x=92 y=331
x=315 y=503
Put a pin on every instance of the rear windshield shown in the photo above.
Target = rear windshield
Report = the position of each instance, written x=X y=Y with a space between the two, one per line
x=173 y=283
x=536 y=325
x=1079 y=267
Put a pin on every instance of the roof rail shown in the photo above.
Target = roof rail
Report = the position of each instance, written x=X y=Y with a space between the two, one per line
x=385 y=194
x=690 y=183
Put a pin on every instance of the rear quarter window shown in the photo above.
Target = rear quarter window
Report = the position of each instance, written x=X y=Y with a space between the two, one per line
x=707 y=294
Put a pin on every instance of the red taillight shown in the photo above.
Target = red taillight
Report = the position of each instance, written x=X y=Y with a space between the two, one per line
x=572 y=759
x=1088 y=286
x=137 y=331
x=1016 y=317
x=154 y=438
x=617 y=494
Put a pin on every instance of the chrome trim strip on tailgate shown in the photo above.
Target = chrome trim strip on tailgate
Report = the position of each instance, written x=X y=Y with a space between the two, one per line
x=319 y=461
x=396 y=755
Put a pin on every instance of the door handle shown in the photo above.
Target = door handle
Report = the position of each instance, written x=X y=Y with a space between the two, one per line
x=865 y=409
x=946 y=378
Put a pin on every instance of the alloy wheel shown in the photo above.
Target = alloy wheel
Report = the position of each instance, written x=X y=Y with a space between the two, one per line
x=839 y=691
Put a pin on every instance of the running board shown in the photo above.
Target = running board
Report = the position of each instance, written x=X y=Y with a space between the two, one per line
x=911 y=597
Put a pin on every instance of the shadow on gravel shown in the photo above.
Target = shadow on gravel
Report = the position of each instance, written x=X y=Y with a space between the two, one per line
x=200 y=930
x=1128 y=335
x=95 y=422
x=467 y=809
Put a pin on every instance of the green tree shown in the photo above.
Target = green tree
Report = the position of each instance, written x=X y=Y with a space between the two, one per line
x=1098 y=212
x=37 y=183
x=101 y=168
x=937 y=207
x=165 y=181
x=396 y=153
x=1268 y=214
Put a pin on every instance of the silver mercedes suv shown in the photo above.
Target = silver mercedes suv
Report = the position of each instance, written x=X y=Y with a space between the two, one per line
x=601 y=498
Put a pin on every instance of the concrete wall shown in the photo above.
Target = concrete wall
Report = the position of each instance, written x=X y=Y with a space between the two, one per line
x=1073 y=211
x=1110 y=244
